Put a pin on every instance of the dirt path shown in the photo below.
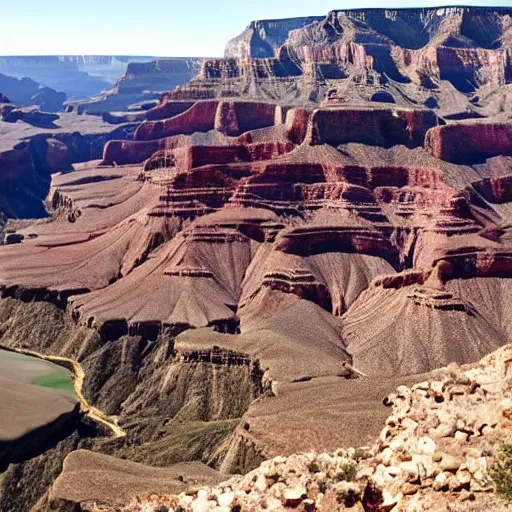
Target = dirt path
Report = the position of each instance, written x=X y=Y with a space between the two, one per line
x=78 y=376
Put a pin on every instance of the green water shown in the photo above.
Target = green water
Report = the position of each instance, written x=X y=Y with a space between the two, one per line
x=56 y=381
x=32 y=370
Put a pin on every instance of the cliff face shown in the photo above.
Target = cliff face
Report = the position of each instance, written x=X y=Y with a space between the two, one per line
x=411 y=55
x=35 y=144
x=25 y=92
x=261 y=38
x=140 y=84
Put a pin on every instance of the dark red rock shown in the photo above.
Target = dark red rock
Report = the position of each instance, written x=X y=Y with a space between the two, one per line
x=470 y=142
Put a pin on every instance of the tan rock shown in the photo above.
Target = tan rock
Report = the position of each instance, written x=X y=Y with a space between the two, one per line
x=466 y=495
x=450 y=463
x=460 y=436
x=410 y=469
x=441 y=482
x=409 y=489
x=426 y=445
x=463 y=476
x=444 y=430
x=293 y=496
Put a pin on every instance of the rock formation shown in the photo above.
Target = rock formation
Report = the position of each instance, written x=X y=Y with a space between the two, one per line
x=79 y=76
x=34 y=144
x=25 y=92
x=276 y=246
x=439 y=57
x=436 y=450
x=139 y=85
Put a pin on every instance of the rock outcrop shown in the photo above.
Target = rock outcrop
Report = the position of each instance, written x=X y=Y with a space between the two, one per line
x=26 y=92
x=470 y=142
x=79 y=76
x=439 y=57
x=262 y=38
x=138 y=85
x=436 y=450
x=36 y=144
x=81 y=483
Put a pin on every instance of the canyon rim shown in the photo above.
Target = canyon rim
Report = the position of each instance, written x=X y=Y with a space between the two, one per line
x=278 y=280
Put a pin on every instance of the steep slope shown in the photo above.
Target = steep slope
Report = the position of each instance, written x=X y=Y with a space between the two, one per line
x=439 y=450
x=454 y=59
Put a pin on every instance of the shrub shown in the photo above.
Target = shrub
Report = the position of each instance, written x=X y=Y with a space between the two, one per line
x=501 y=472
x=347 y=472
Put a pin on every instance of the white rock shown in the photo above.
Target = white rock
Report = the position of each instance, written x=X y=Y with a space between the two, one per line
x=273 y=503
x=200 y=504
x=396 y=443
x=381 y=477
x=393 y=471
x=506 y=404
x=460 y=436
x=411 y=469
x=445 y=430
x=253 y=498
x=364 y=473
x=409 y=424
x=225 y=499
x=463 y=476
x=476 y=464
x=426 y=445
x=294 y=494
x=426 y=466
x=487 y=430
x=425 y=385
x=388 y=499
x=185 y=501
x=440 y=482
x=386 y=455
x=261 y=484
x=436 y=386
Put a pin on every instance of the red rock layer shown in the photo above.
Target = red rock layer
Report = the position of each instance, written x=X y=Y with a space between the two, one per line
x=235 y=212
x=470 y=142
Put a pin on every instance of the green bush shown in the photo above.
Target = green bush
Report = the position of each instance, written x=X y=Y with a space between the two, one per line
x=501 y=472
x=347 y=472
x=361 y=454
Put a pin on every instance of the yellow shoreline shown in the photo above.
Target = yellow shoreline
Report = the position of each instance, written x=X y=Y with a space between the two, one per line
x=78 y=376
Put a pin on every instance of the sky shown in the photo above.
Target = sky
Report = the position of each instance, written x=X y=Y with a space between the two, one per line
x=160 y=28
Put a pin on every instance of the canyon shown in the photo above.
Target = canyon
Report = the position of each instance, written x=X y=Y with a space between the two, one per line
x=96 y=84
x=247 y=267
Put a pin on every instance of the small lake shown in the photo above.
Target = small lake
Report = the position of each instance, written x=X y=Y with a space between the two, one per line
x=32 y=370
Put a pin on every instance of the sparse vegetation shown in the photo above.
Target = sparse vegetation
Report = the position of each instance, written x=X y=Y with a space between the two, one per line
x=347 y=472
x=361 y=454
x=501 y=472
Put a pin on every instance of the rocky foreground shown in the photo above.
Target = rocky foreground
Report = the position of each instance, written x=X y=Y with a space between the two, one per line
x=434 y=453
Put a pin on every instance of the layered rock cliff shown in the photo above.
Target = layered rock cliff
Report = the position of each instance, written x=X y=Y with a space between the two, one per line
x=242 y=276
x=141 y=84
x=35 y=144
x=433 y=56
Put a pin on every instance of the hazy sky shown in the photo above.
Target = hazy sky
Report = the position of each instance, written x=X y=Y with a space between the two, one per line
x=153 y=27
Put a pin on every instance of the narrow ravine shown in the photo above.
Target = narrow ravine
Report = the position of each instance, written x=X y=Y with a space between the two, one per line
x=78 y=376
